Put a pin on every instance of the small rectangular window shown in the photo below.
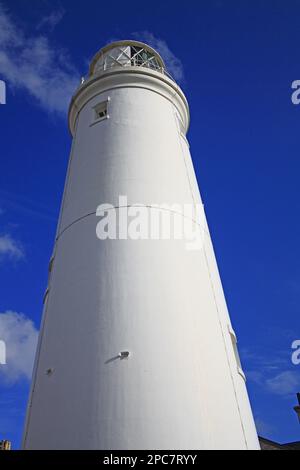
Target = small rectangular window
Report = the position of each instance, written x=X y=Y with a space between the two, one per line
x=236 y=352
x=180 y=123
x=100 y=112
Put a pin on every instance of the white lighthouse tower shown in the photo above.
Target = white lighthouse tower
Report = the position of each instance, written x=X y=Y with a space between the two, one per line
x=136 y=348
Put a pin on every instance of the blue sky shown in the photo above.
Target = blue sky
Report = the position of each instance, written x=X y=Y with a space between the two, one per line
x=236 y=62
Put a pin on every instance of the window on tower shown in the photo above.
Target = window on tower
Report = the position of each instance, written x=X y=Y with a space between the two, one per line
x=100 y=112
x=236 y=352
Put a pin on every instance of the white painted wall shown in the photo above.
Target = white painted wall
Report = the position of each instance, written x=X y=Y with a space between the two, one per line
x=180 y=388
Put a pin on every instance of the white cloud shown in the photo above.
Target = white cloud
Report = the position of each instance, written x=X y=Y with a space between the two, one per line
x=285 y=383
x=51 y=20
x=10 y=248
x=272 y=372
x=20 y=336
x=33 y=64
x=173 y=64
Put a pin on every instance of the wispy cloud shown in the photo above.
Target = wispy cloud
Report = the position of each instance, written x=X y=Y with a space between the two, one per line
x=286 y=383
x=173 y=63
x=10 y=248
x=20 y=336
x=33 y=64
x=25 y=205
x=272 y=372
x=52 y=20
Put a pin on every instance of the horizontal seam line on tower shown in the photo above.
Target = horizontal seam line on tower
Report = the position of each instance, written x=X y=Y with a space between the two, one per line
x=135 y=205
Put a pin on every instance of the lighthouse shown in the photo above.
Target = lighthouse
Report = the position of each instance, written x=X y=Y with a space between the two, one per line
x=136 y=347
